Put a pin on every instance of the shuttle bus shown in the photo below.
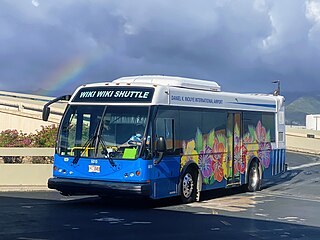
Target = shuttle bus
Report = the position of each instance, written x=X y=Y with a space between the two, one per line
x=161 y=136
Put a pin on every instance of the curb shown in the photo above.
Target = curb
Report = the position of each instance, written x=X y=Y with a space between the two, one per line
x=25 y=188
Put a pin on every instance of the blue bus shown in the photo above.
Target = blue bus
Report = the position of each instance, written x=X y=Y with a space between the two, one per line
x=161 y=136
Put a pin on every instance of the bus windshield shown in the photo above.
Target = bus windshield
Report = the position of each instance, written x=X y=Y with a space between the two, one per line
x=102 y=131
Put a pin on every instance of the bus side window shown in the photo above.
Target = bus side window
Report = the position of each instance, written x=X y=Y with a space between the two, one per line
x=268 y=121
x=167 y=125
x=165 y=128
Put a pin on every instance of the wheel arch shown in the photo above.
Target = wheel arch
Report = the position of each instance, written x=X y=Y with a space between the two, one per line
x=252 y=160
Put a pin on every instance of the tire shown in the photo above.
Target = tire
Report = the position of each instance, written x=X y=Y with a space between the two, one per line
x=188 y=186
x=254 y=180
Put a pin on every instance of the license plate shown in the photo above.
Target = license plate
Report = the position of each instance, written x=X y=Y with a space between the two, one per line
x=94 y=168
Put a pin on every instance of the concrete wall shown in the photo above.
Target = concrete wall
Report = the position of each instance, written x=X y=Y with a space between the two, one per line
x=16 y=151
x=29 y=175
x=25 y=177
x=303 y=140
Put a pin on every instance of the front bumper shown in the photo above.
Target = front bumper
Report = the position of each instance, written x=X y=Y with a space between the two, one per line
x=83 y=187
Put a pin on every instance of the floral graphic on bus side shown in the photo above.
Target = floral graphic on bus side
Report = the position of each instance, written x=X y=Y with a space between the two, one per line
x=257 y=141
x=210 y=151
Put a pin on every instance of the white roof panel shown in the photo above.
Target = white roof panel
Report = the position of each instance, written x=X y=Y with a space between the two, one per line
x=171 y=81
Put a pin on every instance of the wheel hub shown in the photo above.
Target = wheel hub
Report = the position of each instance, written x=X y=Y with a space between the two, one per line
x=188 y=185
x=254 y=177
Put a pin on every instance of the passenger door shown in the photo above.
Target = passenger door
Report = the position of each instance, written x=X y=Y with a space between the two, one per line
x=234 y=139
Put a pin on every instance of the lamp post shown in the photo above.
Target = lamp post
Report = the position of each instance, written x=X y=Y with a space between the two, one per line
x=277 y=91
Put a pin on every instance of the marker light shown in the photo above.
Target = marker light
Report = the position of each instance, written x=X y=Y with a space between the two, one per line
x=138 y=173
x=55 y=168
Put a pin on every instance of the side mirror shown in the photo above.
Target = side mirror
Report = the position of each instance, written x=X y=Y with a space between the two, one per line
x=45 y=113
x=161 y=144
x=161 y=148
x=46 y=109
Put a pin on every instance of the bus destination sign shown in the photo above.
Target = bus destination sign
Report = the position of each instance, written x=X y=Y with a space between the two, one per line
x=114 y=95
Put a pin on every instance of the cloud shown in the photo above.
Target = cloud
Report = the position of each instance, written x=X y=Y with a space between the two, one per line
x=243 y=45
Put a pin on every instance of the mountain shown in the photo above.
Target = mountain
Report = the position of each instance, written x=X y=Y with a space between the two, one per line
x=297 y=110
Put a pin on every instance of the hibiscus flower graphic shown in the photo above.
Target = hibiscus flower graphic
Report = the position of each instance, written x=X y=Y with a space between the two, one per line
x=218 y=157
x=264 y=153
x=240 y=153
x=205 y=162
x=263 y=140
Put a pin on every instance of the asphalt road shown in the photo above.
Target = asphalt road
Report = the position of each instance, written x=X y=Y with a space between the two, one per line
x=288 y=208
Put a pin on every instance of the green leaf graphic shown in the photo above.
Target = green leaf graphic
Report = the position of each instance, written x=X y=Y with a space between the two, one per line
x=206 y=181
x=199 y=141
x=211 y=180
x=210 y=140
x=222 y=139
x=252 y=132
x=268 y=136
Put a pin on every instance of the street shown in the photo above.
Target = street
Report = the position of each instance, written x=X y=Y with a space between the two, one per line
x=287 y=208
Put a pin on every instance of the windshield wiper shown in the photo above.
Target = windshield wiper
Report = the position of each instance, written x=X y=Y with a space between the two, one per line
x=105 y=151
x=83 y=148
x=100 y=139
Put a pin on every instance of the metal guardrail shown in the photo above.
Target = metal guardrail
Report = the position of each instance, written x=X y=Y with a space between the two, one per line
x=30 y=102
x=30 y=152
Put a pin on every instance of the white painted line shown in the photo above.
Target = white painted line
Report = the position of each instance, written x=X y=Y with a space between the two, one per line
x=262 y=214
x=141 y=223
x=304 y=166
x=269 y=194
x=226 y=223
x=26 y=238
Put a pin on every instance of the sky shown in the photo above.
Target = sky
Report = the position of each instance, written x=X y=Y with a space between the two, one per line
x=53 y=46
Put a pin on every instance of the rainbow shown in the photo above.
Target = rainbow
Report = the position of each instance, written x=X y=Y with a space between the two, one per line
x=68 y=72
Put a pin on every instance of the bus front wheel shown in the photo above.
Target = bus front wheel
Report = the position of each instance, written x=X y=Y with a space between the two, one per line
x=189 y=186
x=254 y=181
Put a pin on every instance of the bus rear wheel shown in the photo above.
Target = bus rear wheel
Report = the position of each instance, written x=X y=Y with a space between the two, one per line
x=254 y=180
x=189 y=186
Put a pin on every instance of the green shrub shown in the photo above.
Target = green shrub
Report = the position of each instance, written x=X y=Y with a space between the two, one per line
x=13 y=138
x=46 y=137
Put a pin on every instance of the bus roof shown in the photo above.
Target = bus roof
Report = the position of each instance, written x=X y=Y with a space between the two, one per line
x=177 y=91
x=170 y=81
